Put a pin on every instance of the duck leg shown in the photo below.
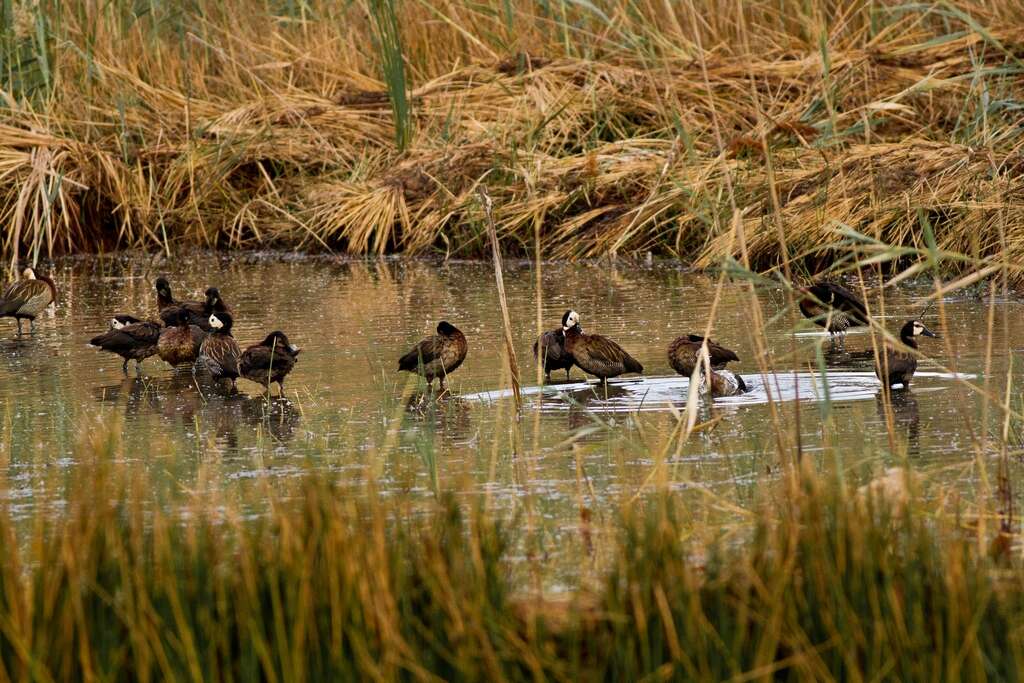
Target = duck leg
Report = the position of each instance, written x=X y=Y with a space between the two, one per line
x=31 y=326
x=567 y=374
x=124 y=366
x=18 y=320
x=280 y=388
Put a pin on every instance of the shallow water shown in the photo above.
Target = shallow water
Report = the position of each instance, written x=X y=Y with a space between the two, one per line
x=576 y=444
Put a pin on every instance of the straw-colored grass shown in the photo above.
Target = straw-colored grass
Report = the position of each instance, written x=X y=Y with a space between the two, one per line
x=611 y=127
x=827 y=585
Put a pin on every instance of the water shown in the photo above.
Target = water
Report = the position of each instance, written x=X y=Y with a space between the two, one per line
x=348 y=412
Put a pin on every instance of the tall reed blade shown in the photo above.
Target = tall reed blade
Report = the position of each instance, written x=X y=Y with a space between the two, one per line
x=389 y=48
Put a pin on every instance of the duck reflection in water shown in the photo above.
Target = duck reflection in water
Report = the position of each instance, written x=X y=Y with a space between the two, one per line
x=905 y=416
x=450 y=415
x=176 y=398
x=837 y=357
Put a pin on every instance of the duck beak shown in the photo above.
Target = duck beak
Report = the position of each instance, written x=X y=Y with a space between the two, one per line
x=928 y=333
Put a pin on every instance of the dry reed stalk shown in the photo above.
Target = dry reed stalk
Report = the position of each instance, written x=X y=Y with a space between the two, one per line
x=499 y=281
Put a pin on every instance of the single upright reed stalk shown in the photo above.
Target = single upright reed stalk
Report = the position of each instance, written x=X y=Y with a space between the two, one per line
x=492 y=232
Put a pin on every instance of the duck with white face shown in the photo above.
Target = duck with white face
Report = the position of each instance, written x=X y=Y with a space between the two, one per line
x=219 y=351
x=130 y=338
x=549 y=349
x=595 y=354
x=897 y=366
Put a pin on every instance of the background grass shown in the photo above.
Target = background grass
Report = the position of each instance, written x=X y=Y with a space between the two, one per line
x=695 y=129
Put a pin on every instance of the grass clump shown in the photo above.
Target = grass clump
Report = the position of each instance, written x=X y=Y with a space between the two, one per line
x=598 y=128
x=827 y=584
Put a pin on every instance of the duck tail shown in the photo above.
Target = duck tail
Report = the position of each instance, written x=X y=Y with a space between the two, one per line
x=632 y=365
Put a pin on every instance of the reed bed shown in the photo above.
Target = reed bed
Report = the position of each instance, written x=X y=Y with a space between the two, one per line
x=830 y=583
x=603 y=128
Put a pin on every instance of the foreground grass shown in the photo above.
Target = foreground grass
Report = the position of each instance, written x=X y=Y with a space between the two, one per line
x=828 y=583
x=752 y=130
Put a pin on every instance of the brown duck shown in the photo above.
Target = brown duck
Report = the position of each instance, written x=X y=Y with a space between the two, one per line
x=130 y=338
x=219 y=350
x=549 y=348
x=898 y=366
x=683 y=354
x=26 y=298
x=269 y=361
x=833 y=307
x=437 y=356
x=597 y=355
x=179 y=342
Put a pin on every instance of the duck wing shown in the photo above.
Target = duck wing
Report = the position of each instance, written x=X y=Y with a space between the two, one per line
x=605 y=350
x=220 y=352
x=428 y=350
x=842 y=299
x=30 y=296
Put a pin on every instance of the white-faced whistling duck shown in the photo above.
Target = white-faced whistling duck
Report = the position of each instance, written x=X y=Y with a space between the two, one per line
x=833 y=307
x=120 y=320
x=549 y=348
x=219 y=351
x=597 y=355
x=26 y=298
x=179 y=342
x=897 y=366
x=197 y=311
x=437 y=356
x=130 y=338
x=683 y=353
x=269 y=361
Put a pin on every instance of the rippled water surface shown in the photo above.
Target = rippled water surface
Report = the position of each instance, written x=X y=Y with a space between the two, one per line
x=350 y=413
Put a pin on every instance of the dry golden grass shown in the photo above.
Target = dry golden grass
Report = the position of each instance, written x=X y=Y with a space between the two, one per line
x=613 y=128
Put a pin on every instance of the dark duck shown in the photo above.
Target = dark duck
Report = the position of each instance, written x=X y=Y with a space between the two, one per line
x=219 y=351
x=27 y=298
x=832 y=307
x=269 y=361
x=438 y=356
x=198 y=312
x=549 y=349
x=130 y=338
x=179 y=342
x=594 y=354
x=897 y=366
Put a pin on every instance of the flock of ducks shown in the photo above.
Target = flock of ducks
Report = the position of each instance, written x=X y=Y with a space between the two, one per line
x=199 y=333
x=827 y=304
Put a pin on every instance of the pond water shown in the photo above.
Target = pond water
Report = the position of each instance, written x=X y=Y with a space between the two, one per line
x=575 y=445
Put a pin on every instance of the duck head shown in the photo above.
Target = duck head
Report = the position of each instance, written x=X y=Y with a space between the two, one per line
x=213 y=299
x=163 y=288
x=570 y=320
x=916 y=328
x=120 y=321
x=221 y=322
x=446 y=329
x=277 y=339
